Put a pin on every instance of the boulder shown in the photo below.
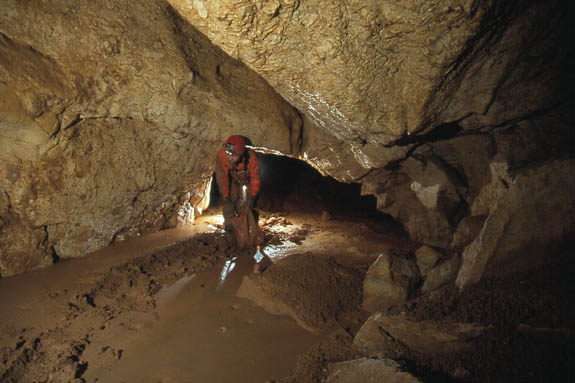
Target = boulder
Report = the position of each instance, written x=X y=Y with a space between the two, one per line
x=468 y=156
x=426 y=336
x=366 y=370
x=442 y=274
x=390 y=280
x=426 y=259
x=467 y=231
x=423 y=194
x=516 y=204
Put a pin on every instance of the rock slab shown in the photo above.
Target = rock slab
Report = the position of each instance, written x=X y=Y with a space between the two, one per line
x=426 y=336
x=366 y=370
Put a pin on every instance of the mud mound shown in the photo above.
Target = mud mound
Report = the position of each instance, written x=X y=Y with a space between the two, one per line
x=316 y=291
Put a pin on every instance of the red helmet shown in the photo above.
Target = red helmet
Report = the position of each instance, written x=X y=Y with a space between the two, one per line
x=236 y=145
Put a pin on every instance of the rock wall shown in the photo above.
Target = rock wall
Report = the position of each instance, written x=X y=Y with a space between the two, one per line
x=454 y=114
x=110 y=116
x=419 y=101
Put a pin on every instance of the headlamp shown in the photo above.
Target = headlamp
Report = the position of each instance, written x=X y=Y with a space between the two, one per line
x=230 y=149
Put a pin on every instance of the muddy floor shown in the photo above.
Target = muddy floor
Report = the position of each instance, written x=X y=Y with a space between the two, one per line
x=163 y=308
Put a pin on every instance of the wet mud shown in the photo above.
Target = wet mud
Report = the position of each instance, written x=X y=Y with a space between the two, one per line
x=51 y=348
x=90 y=330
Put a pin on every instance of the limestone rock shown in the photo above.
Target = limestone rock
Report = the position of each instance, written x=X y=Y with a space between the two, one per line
x=442 y=274
x=427 y=337
x=467 y=231
x=408 y=53
x=488 y=94
x=390 y=280
x=517 y=205
x=400 y=85
x=423 y=195
x=426 y=259
x=110 y=129
x=343 y=160
x=468 y=159
x=369 y=371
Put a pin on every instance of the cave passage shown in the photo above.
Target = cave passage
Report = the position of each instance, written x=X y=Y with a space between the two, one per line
x=291 y=185
x=309 y=221
x=300 y=210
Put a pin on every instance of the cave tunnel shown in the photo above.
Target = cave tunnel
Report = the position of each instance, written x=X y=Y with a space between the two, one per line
x=187 y=302
x=445 y=254
x=294 y=197
x=289 y=184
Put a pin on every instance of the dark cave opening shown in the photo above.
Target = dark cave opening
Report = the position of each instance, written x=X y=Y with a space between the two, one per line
x=291 y=185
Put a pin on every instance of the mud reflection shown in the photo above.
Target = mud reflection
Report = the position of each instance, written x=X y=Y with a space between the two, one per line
x=228 y=267
x=169 y=293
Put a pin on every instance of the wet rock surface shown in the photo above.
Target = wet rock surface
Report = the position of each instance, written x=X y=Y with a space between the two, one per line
x=455 y=116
